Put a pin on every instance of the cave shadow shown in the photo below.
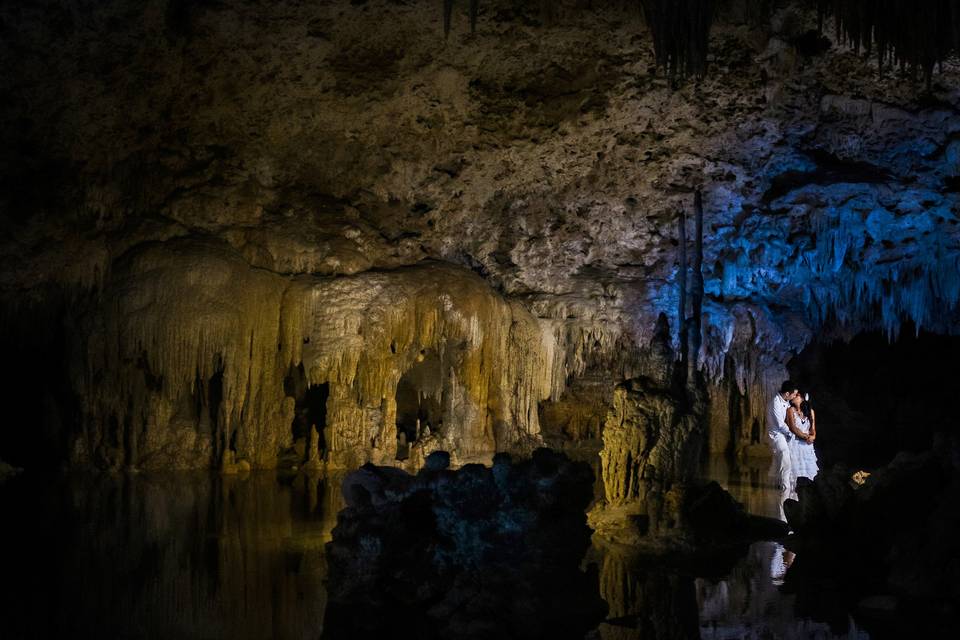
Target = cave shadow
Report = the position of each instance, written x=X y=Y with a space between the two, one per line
x=875 y=397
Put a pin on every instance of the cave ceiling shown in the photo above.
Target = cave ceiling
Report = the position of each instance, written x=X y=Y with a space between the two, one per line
x=549 y=156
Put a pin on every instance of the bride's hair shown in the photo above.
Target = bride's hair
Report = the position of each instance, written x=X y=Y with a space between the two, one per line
x=807 y=405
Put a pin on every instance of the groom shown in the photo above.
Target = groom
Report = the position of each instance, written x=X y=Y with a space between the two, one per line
x=779 y=433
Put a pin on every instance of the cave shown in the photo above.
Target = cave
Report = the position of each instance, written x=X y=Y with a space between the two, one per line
x=309 y=411
x=278 y=274
x=310 y=407
x=315 y=410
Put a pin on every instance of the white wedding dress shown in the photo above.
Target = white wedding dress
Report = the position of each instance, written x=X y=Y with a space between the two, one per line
x=803 y=458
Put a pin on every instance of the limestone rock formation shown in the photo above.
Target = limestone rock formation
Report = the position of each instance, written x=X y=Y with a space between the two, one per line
x=474 y=553
x=653 y=497
x=186 y=357
x=343 y=143
x=649 y=443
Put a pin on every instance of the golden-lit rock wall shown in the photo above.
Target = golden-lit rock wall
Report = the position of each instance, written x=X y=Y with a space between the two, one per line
x=186 y=352
x=652 y=443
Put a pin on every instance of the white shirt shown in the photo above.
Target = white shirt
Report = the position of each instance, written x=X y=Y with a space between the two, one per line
x=776 y=417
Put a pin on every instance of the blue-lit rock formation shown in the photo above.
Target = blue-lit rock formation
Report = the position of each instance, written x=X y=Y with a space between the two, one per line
x=474 y=553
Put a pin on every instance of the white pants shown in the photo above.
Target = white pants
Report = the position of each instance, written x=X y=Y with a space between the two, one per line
x=781 y=460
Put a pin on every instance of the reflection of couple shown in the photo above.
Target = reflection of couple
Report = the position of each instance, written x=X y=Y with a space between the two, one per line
x=792 y=429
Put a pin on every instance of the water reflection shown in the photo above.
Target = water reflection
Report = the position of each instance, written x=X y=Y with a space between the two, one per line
x=168 y=556
x=750 y=482
x=748 y=603
x=201 y=556
x=645 y=602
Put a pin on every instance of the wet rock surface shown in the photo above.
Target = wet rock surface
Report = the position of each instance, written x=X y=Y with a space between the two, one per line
x=883 y=548
x=474 y=553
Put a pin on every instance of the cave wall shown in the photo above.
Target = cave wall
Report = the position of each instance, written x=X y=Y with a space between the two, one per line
x=330 y=146
x=187 y=349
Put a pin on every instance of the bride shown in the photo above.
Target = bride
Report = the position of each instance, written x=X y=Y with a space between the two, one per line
x=802 y=421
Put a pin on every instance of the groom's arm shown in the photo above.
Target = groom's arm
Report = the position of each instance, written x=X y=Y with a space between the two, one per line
x=779 y=414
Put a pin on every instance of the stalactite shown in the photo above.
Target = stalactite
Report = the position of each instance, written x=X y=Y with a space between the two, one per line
x=684 y=350
x=697 y=284
x=681 y=31
x=548 y=11
x=474 y=11
x=680 y=28
x=923 y=288
x=919 y=34
x=447 y=15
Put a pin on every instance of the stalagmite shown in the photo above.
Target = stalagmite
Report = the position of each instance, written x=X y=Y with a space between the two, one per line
x=649 y=446
x=313 y=448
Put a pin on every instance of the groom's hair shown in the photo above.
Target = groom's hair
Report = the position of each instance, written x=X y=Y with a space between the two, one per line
x=787 y=386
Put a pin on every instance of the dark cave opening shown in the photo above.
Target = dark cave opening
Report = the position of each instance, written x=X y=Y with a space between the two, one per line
x=215 y=395
x=310 y=407
x=313 y=413
x=875 y=398
x=223 y=442
x=419 y=401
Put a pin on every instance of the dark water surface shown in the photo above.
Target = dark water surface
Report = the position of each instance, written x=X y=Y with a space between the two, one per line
x=205 y=556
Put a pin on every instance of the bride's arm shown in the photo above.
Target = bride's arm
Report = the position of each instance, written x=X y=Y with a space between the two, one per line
x=791 y=420
x=813 y=425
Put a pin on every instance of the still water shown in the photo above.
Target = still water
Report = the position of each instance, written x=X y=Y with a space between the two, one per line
x=205 y=556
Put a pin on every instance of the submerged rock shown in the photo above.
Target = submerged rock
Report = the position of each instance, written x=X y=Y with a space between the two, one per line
x=477 y=552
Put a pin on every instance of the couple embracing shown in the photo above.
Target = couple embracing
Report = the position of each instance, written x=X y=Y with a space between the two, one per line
x=792 y=429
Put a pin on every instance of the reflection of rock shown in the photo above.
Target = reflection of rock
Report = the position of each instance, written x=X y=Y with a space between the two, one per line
x=478 y=552
x=148 y=556
x=747 y=603
x=644 y=601
x=555 y=172
x=893 y=536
